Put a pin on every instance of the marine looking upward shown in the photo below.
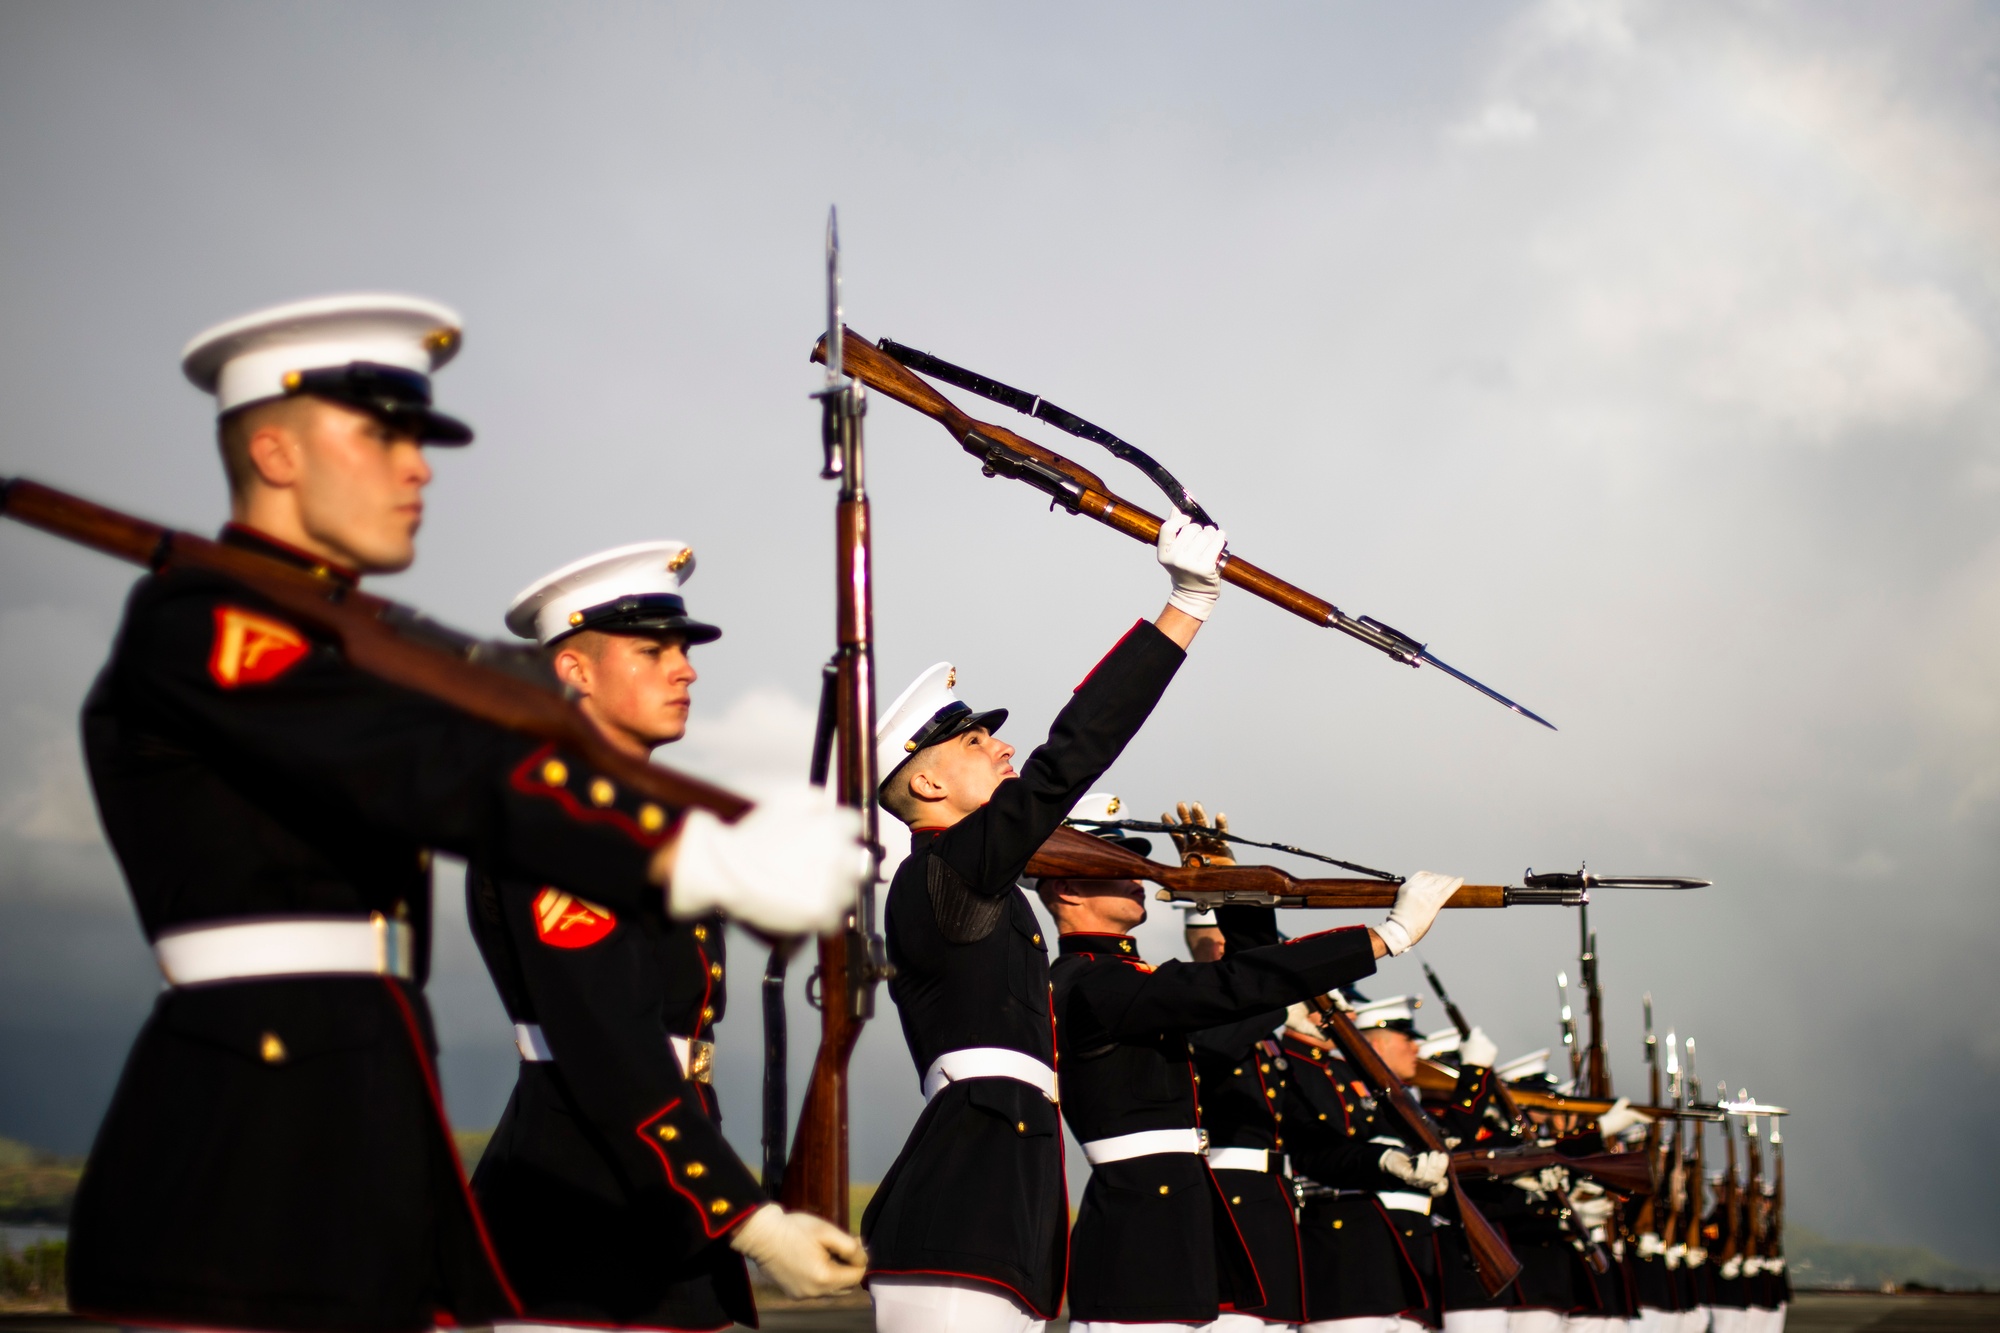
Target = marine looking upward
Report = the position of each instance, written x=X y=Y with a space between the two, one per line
x=276 y=1156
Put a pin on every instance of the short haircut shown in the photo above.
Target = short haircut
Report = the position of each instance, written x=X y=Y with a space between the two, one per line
x=1047 y=888
x=233 y=432
x=896 y=796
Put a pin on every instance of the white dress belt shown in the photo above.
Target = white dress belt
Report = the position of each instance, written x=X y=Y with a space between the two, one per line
x=696 y=1058
x=1239 y=1159
x=1407 y=1200
x=989 y=1062
x=1145 y=1143
x=371 y=946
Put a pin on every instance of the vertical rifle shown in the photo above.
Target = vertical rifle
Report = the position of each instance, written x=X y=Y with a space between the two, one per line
x=1647 y=1221
x=1774 y=1240
x=1495 y=1262
x=852 y=961
x=1753 y=1193
x=1697 y=1168
x=1727 y=1234
x=1569 y=1034
x=1596 y=1066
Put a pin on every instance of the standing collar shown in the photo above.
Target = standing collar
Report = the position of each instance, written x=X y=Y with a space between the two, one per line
x=1304 y=1049
x=263 y=543
x=1122 y=946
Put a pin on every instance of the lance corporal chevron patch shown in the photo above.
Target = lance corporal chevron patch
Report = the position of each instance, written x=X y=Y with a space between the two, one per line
x=252 y=649
x=563 y=921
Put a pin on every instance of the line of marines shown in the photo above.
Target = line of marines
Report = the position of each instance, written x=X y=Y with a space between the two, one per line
x=277 y=1156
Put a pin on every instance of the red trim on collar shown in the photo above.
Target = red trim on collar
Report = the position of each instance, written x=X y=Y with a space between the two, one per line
x=333 y=568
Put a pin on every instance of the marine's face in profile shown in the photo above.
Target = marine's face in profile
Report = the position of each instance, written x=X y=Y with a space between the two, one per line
x=633 y=686
x=963 y=773
x=1397 y=1049
x=356 y=483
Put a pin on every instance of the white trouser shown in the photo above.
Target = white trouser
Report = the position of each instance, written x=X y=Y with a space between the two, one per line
x=1594 y=1323
x=1728 y=1319
x=1696 y=1320
x=1534 y=1321
x=1767 y=1321
x=947 y=1305
x=1650 y=1319
x=1374 y=1323
x=1493 y=1320
x=1231 y=1322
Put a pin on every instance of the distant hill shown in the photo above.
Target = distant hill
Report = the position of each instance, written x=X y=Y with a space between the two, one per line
x=1816 y=1261
x=36 y=1186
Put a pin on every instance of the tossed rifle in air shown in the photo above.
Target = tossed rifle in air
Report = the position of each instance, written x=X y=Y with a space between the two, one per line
x=1072 y=854
x=853 y=961
x=1072 y=487
x=1491 y=1255
x=497 y=683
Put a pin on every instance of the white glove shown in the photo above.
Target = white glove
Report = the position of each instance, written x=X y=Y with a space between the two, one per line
x=1429 y=1171
x=1540 y=1184
x=791 y=865
x=1417 y=905
x=1590 y=1204
x=803 y=1254
x=1620 y=1118
x=1477 y=1051
x=1192 y=555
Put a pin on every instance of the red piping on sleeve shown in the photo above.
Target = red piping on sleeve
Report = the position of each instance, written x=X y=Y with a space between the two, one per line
x=667 y=1168
x=525 y=780
x=1108 y=656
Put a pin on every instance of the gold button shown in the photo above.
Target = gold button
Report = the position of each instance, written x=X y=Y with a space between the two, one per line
x=555 y=772
x=1322 y=1115
x=1236 y=1199
x=910 y=746
x=1236 y=1071
x=1197 y=1078
x=1020 y=1126
x=602 y=792
x=695 y=1170
x=715 y=970
x=707 y=1013
x=679 y=560
x=718 y=1207
x=1336 y=1224
x=1277 y=1115
x=669 y=1133
x=652 y=818
x=1038 y=937
x=272 y=1049
x=700 y=934
x=1163 y=1189
x=293 y=379
x=576 y=617
x=1270 y=1092
x=1264 y=1069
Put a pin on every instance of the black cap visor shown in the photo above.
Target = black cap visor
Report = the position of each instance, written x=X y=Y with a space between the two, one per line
x=396 y=397
x=659 y=614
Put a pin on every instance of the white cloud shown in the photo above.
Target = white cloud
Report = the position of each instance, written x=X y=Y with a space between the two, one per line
x=762 y=737
x=1496 y=123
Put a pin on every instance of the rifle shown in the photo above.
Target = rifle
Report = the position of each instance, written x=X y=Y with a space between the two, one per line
x=1490 y=1253
x=1646 y=1223
x=1753 y=1202
x=1596 y=1065
x=1076 y=489
x=1620 y=1171
x=1728 y=1230
x=1072 y=854
x=1569 y=1033
x=492 y=682
x=1774 y=1246
x=1501 y=1092
x=1697 y=1168
x=853 y=961
x=1441 y=1078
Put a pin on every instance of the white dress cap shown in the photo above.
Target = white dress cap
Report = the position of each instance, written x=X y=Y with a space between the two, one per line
x=1526 y=1066
x=246 y=360
x=1397 y=1009
x=928 y=712
x=1097 y=805
x=632 y=588
x=1438 y=1043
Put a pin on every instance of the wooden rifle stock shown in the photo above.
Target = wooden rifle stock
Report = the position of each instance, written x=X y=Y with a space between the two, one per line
x=1073 y=854
x=1491 y=1255
x=1091 y=496
x=366 y=629
x=1625 y=1172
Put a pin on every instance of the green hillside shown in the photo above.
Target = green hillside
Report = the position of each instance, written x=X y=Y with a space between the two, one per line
x=35 y=1186
x=1816 y=1261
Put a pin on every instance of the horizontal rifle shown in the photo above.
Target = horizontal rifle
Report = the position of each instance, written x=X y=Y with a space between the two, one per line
x=384 y=639
x=1075 y=488
x=1072 y=854
x=1625 y=1172
x=1433 y=1077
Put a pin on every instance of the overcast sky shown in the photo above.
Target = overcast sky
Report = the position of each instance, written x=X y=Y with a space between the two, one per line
x=1639 y=357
